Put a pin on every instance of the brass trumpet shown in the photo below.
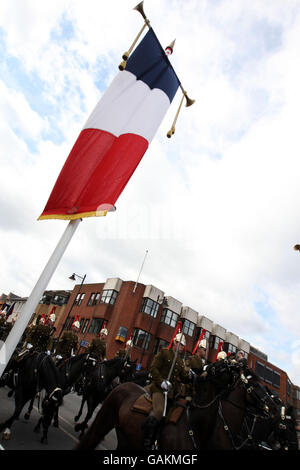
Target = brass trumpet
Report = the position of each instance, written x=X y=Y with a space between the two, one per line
x=126 y=54
x=189 y=102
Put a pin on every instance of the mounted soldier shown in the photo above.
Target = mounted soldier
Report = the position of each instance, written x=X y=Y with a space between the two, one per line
x=97 y=348
x=197 y=360
x=167 y=371
x=67 y=345
x=38 y=338
x=125 y=352
x=195 y=364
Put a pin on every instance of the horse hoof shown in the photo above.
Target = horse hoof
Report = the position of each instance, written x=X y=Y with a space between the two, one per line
x=36 y=430
x=55 y=424
x=26 y=416
x=77 y=427
x=44 y=440
x=76 y=418
x=6 y=434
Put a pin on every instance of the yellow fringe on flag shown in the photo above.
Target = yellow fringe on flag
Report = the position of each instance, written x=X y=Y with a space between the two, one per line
x=73 y=216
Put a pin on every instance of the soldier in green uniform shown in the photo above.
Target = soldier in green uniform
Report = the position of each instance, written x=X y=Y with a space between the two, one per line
x=160 y=387
x=38 y=336
x=97 y=347
x=37 y=340
x=68 y=344
x=195 y=363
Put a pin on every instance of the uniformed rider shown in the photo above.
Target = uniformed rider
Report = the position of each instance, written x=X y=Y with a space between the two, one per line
x=125 y=352
x=97 y=348
x=162 y=387
x=68 y=344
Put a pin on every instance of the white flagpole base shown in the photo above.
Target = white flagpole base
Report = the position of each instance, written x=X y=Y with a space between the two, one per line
x=18 y=329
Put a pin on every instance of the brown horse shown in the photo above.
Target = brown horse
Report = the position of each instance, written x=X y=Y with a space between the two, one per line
x=196 y=428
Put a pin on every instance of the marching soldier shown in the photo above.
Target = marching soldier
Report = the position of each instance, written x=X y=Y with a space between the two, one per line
x=68 y=344
x=161 y=388
x=98 y=345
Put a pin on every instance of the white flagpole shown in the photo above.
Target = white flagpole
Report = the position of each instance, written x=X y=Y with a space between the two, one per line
x=18 y=329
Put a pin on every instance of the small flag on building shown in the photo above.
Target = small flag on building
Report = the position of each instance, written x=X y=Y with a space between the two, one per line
x=10 y=310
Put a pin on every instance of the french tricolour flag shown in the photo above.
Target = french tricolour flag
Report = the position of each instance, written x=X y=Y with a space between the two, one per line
x=116 y=135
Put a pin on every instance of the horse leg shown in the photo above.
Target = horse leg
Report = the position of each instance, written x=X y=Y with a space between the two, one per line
x=37 y=428
x=20 y=401
x=92 y=402
x=104 y=422
x=83 y=400
x=55 y=419
x=27 y=415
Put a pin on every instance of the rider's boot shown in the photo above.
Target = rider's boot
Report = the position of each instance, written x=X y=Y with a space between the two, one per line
x=149 y=428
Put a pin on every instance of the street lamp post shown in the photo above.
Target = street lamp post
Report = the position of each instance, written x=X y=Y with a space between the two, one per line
x=73 y=278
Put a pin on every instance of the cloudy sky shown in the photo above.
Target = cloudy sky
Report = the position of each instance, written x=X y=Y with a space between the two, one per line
x=217 y=206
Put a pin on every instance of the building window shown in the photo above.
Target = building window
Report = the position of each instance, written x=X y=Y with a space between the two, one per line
x=141 y=339
x=159 y=344
x=121 y=334
x=59 y=300
x=94 y=298
x=150 y=307
x=79 y=299
x=215 y=341
x=188 y=327
x=267 y=374
x=68 y=323
x=86 y=322
x=95 y=326
x=108 y=296
x=276 y=379
x=229 y=348
x=46 y=299
x=169 y=318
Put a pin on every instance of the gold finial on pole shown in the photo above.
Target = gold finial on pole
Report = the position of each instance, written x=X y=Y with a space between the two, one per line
x=189 y=102
x=126 y=54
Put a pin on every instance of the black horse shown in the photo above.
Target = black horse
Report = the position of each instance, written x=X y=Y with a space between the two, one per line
x=276 y=431
x=35 y=372
x=70 y=370
x=98 y=384
x=130 y=374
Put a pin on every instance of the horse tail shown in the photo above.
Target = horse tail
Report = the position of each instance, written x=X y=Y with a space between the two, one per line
x=106 y=419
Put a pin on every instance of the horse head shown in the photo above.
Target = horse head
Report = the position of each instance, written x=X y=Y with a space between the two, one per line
x=128 y=370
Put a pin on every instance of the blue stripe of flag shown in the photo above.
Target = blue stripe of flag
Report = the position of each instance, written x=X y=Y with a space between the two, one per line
x=150 y=64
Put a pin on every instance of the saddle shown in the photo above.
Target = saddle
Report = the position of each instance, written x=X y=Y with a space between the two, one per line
x=143 y=405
